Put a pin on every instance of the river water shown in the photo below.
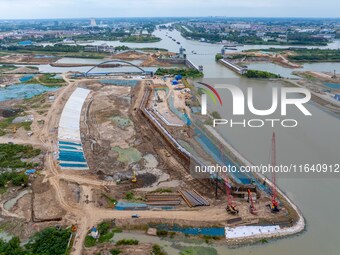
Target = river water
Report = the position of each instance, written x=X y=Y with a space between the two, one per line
x=287 y=72
x=315 y=140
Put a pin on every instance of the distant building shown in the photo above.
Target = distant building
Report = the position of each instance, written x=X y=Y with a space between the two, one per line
x=337 y=97
x=223 y=51
x=68 y=41
x=99 y=48
x=25 y=43
x=181 y=52
x=93 y=22
x=241 y=26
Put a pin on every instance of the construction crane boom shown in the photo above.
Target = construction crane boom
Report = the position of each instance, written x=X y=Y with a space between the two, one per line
x=231 y=208
x=252 y=206
x=275 y=203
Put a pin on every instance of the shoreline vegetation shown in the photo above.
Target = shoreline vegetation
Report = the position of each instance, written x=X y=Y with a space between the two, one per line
x=140 y=39
x=71 y=51
x=47 y=79
x=304 y=54
x=257 y=74
x=187 y=73
x=251 y=74
x=218 y=56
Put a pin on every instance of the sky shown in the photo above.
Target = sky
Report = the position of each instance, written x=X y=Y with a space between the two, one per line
x=28 y=9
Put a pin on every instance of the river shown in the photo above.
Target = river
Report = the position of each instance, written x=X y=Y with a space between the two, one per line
x=315 y=140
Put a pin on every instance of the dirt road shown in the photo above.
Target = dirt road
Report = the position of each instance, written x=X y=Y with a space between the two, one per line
x=84 y=214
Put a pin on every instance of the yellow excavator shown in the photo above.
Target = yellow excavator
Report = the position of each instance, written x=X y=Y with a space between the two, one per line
x=134 y=177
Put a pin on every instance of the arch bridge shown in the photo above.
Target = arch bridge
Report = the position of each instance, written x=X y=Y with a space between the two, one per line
x=114 y=61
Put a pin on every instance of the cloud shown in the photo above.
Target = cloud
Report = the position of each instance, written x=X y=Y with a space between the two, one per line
x=129 y=8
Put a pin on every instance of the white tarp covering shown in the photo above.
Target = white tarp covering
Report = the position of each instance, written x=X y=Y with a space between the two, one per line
x=250 y=231
x=69 y=125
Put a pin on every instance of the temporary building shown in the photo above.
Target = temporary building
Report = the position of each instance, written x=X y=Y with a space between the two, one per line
x=178 y=77
x=30 y=171
x=174 y=82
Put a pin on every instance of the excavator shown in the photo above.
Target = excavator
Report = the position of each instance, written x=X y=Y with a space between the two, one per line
x=134 y=177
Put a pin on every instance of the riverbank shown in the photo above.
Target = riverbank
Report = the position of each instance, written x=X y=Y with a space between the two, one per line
x=299 y=222
x=321 y=99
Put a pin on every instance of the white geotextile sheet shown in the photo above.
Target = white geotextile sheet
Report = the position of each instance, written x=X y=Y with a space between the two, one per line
x=69 y=125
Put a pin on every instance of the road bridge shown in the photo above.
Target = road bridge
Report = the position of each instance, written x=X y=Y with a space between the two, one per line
x=142 y=71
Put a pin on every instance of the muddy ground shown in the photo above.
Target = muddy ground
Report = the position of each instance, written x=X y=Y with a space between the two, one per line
x=45 y=207
x=113 y=145
x=26 y=59
x=140 y=249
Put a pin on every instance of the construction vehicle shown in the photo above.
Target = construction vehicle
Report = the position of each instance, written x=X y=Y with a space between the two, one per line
x=134 y=177
x=274 y=204
x=159 y=100
x=252 y=208
x=74 y=228
x=231 y=208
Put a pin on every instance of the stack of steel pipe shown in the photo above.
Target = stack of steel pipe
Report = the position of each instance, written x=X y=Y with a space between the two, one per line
x=193 y=198
x=166 y=199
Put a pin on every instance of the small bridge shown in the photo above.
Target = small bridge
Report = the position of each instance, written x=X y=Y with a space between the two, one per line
x=115 y=61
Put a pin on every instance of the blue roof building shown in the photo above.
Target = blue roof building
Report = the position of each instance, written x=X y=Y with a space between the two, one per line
x=25 y=43
x=174 y=82
x=30 y=171
x=178 y=77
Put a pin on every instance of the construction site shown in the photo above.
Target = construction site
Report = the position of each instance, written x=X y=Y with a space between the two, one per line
x=122 y=147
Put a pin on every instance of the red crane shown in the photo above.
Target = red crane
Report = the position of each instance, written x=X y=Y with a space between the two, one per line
x=275 y=203
x=251 y=206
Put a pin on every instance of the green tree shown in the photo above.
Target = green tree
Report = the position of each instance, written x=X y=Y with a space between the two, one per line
x=218 y=56
x=20 y=179
x=12 y=247
x=115 y=251
x=50 y=241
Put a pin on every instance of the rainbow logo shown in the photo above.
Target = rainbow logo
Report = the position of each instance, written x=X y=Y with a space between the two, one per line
x=213 y=94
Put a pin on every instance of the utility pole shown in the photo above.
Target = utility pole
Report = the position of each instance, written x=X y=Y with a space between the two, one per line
x=216 y=186
x=334 y=75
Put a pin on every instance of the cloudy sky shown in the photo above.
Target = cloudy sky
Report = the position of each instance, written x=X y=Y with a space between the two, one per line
x=14 y=9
